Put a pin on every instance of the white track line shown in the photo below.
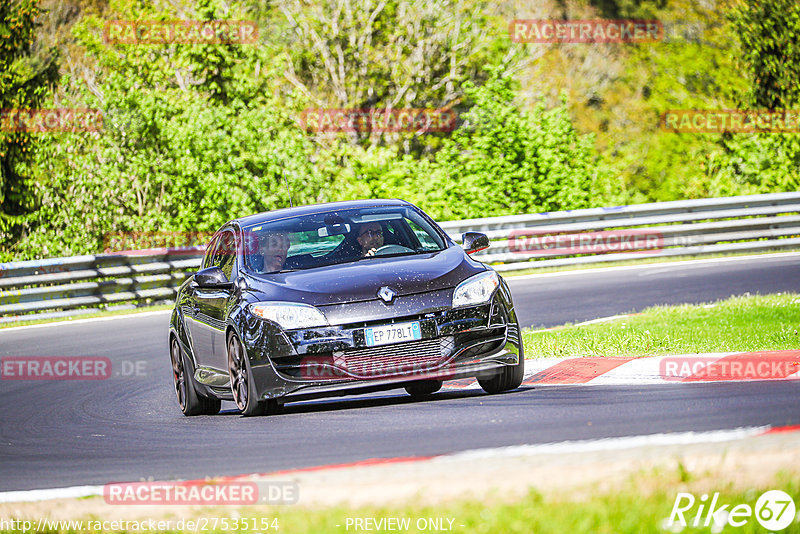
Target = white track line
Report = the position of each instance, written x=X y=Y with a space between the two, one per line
x=72 y=492
x=584 y=323
x=608 y=444
x=84 y=321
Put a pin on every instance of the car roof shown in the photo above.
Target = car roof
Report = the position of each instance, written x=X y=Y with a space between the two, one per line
x=284 y=213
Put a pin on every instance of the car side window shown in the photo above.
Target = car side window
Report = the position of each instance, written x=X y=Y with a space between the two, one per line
x=425 y=238
x=225 y=253
x=209 y=253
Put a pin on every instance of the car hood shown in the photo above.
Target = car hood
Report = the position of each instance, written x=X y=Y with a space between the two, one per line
x=361 y=280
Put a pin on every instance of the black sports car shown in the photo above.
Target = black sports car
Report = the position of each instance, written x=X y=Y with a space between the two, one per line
x=337 y=299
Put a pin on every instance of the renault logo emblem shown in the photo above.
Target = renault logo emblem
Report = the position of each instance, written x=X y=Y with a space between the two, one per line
x=386 y=294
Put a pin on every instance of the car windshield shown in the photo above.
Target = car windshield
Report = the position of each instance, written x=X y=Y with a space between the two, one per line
x=340 y=236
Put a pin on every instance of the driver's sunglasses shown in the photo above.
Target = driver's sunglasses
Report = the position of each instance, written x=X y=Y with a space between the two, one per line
x=373 y=233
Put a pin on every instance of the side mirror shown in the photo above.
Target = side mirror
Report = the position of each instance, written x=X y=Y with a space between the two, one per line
x=474 y=241
x=212 y=277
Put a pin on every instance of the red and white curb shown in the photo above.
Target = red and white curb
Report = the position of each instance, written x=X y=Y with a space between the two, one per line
x=682 y=368
x=564 y=447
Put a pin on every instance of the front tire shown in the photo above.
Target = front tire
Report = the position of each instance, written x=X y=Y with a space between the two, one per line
x=190 y=400
x=423 y=388
x=243 y=385
x=510 y=377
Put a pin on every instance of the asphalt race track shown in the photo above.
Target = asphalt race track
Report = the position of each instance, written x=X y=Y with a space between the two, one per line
x=66 y=433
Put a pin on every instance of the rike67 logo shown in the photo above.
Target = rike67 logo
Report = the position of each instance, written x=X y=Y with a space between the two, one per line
x=774 y=510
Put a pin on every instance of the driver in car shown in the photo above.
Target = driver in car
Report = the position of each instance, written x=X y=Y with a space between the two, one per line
x=370 y=237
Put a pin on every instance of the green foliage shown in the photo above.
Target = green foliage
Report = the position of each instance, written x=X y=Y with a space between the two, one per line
x=377 y=172
x=691 y=69
x=770 y=51
x=757 y=163
x=391 y=54
x=700 y=65
x=507 y=161
x=25 y=76
x=499 y=161
x=190 y=140
x=768 y=34
x=619 y=91
x=196 y=134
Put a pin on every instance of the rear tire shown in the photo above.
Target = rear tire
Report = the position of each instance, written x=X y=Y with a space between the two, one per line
x=423 y=388
x=190 y=401
x=510 y=377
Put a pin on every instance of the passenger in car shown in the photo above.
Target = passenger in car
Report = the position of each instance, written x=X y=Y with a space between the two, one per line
x=274 y=247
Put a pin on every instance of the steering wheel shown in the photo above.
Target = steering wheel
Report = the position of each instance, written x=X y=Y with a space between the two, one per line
x=392 y=249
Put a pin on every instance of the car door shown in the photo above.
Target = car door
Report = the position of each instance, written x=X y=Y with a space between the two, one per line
x=218 y=305
x=189 y=307
x=210 y=307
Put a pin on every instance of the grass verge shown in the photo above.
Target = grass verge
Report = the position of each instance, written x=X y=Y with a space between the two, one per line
x=644 y=503
x=745 y=323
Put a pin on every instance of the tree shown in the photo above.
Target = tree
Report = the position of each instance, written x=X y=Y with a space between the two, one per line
x=618 y=92
x=26 y=76
x=190 y=139
x=506 y=161
x=390 y=54
x=770 y=52
x=769 y=55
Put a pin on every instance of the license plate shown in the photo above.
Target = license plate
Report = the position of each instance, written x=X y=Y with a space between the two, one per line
x=392 y=333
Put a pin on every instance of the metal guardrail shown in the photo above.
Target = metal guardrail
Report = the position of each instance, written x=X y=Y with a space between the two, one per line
x=753 y=223
x=693 y=227
x=92 y=281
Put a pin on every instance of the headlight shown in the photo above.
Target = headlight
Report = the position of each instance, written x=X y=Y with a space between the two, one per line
x=476 y=289
x=289 y=315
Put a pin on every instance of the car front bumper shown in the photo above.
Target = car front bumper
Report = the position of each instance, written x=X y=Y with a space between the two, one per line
x=474 y=341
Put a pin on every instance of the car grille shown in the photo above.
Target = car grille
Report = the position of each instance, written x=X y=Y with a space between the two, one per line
x=398 y=359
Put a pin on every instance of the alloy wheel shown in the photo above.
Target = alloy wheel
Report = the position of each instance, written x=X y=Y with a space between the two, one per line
x=238 y=373
x=178 y=373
